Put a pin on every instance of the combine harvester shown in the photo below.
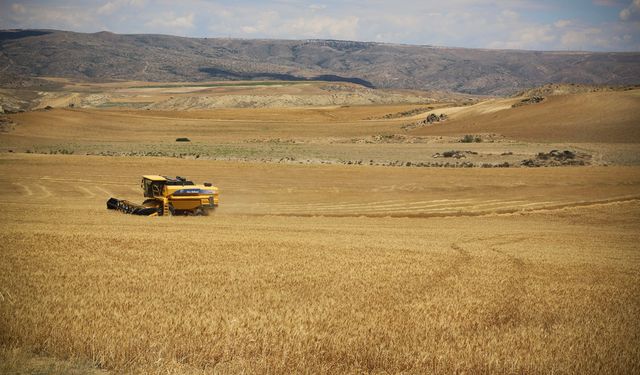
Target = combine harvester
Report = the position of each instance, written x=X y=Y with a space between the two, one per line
x=170 y=196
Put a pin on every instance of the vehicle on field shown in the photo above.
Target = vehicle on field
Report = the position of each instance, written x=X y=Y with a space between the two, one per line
x=170 y=196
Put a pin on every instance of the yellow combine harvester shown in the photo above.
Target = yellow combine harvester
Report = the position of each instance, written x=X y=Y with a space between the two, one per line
x=175 y=196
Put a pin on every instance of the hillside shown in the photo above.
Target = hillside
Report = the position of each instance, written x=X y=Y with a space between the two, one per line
x=245 y=94
x=600 y=116
x=25 y=54
x=180 y=96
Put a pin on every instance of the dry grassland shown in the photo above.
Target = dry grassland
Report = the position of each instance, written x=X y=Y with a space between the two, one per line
x=221 y=125
x=585 y=117
x=295 y=135
x=180 y=96
x=263 y=286
x=599 y=124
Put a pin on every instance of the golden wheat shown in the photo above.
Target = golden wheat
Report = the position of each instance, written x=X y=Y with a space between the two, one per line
x=243 y=291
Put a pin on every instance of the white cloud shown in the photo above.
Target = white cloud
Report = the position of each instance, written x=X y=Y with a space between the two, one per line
x=459 y=23
x=249 y=29
x=561 y=24
x=168 y=22
x=582 y=39
x=509 y=14
x=37 y=16
x=632 y=12
x=108 y=8
x=320 y=27
x=534 y=37
x=625 y=14
x=405 y=21
x=111 y=7
x=317 y=7
x=18 y=8
x=288 y=25
x=607 y=3
x=339 y=28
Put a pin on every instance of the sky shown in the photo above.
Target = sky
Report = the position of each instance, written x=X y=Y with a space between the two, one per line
x=590 y=25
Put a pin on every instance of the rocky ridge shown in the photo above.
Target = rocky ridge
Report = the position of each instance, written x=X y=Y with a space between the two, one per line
x=106 y=56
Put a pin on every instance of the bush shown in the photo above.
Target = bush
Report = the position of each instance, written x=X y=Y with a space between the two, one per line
x=183 y=139
x=468 y=138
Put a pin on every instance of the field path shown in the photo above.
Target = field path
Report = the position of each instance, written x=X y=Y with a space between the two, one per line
x=88 y=193
x=47 y=193
x=27 y=189
x=105 y=191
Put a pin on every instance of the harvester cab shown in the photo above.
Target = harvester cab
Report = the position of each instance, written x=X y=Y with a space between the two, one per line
x=175 y=196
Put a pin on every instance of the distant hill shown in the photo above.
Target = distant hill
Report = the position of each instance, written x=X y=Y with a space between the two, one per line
x=107 y=56
x=579 y=116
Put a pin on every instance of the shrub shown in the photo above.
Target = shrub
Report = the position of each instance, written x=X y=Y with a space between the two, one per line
x=467 y=139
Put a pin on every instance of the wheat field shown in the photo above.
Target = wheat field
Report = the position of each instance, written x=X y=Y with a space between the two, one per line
x=321 y=269
x=314 y=265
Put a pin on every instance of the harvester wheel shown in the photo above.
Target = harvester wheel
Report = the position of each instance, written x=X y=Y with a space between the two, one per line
x=200 y=211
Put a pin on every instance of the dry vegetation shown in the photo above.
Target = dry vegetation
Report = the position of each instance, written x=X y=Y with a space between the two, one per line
x=317 y=268
x=601 y=124
x=534 y=292
x=182 y=96
x=609 y=117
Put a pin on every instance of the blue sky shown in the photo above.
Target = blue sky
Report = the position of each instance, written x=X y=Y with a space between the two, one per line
x=596 y=25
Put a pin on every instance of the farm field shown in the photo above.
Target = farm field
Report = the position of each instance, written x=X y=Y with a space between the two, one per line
x=323 y=268
x=345 y=241
x=489 y=133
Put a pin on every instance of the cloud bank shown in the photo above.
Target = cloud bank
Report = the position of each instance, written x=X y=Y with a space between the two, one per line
x=597 y=25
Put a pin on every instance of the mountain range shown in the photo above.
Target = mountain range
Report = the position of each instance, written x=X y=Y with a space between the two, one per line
x=104 y=56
